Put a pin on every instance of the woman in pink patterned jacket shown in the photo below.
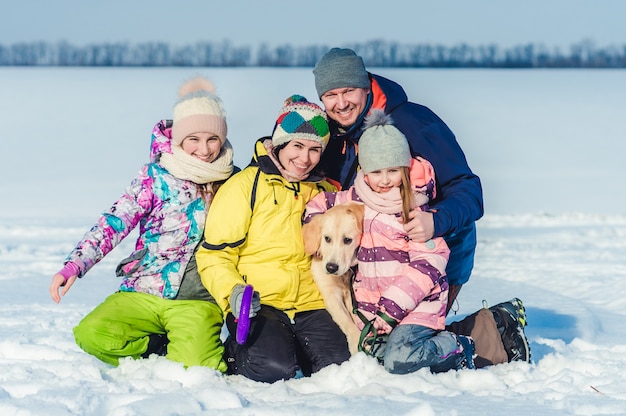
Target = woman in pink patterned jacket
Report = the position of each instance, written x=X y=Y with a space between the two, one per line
x=161 y=298
x=400 y=287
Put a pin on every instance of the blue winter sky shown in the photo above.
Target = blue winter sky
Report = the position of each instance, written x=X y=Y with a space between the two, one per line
x=327 y=22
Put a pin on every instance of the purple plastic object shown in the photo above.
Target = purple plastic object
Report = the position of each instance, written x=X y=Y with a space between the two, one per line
x=243 y=323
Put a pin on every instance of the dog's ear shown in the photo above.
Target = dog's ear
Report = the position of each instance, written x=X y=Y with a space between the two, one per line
x=311 y=234
x=359 y=212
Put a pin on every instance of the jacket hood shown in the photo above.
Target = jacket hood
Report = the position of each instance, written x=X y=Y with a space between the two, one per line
x=388 y=94
x=161 y=139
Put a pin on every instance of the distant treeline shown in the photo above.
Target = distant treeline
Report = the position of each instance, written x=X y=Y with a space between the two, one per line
x=375 y=54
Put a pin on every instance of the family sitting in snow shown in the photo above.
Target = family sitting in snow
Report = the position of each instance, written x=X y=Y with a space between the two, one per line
x=198 y=249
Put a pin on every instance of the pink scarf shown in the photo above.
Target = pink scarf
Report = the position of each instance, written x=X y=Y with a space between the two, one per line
x=386 y=203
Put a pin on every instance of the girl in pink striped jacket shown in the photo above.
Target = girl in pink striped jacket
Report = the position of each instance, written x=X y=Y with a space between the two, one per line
x=400 y=287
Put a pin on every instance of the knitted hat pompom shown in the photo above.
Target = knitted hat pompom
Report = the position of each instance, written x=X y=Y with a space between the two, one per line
x=382 y=145
x=194 y=85
x=377 y=118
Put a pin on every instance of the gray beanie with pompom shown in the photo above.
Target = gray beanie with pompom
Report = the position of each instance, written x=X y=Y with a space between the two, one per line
x=382 y=145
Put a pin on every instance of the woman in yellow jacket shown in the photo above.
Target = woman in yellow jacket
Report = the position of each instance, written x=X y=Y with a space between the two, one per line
x=253 y=236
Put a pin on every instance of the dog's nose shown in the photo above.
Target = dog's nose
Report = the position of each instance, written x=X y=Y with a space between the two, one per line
x=332 y=268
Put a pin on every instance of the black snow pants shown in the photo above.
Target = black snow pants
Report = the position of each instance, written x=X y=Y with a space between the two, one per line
x=278 y=348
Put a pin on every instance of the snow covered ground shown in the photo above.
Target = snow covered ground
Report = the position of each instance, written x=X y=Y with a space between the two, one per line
x=547 y=144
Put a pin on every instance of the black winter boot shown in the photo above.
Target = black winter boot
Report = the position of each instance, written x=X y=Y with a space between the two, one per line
x=510 y=319
x=156 y=345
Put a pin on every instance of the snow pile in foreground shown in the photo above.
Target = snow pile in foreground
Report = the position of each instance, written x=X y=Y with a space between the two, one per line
x=568 y=270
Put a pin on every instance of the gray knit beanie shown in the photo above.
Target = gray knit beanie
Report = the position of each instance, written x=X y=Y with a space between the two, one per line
x=382 y=145
x=340 y=68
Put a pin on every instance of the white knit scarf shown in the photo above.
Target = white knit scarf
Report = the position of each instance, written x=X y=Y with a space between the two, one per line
x=184 y=166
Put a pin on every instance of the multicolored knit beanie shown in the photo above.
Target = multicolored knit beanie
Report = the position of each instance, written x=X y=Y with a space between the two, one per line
x=198 y=110
x=300 y=119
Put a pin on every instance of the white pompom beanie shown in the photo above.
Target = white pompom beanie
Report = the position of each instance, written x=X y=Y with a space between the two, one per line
x=197 y=110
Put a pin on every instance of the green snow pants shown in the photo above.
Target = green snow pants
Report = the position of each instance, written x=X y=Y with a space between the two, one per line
x=119 y=327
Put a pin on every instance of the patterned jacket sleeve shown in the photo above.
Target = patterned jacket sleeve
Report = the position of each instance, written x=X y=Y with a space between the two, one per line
x=115 y=223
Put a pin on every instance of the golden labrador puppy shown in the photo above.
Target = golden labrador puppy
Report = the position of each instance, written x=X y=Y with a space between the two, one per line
x=333 y=239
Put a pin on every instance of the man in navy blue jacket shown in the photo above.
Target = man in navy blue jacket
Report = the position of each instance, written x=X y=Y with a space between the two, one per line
x=348 y=93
